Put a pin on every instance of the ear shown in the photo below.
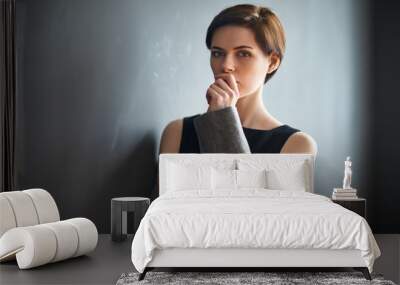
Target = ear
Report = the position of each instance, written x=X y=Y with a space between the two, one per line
x=274 y=62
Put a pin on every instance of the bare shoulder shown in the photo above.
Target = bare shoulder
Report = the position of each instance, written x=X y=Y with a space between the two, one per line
x=300 y=142
x=171 y=137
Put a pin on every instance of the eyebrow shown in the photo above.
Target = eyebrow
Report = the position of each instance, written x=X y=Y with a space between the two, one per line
x=239 y=47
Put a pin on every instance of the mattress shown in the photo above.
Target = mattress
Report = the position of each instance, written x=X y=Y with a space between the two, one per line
x=250 y=218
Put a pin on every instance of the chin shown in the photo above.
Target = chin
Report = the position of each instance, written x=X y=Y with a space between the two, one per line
x=244 y=94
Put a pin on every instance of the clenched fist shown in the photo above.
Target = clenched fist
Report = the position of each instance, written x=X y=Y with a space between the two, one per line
x=224 y=92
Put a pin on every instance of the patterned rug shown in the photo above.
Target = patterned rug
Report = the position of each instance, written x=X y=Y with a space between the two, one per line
x=275 y=278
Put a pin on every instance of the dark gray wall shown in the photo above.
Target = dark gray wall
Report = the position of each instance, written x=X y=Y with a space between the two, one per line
x=384 y=109
x=98 y=81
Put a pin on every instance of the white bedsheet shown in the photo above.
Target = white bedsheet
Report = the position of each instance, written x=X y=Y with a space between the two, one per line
x=251 y=218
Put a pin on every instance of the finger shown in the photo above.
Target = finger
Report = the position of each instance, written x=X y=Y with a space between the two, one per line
x=215 y=96
x=220 y=83
x=225 y=90
x=231 y=92
x=222 y=96
x=225 y=96
x=211 y=94
x=233 y=82
x=230 y=80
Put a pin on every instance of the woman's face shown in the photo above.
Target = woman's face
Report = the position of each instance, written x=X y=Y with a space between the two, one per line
x=234 y=49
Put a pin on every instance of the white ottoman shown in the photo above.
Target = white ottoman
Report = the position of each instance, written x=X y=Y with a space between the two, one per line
x=31 y=230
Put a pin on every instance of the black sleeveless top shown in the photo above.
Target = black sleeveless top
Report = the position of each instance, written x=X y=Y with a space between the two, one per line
x=260 y=141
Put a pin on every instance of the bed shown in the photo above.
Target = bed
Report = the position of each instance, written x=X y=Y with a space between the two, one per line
x=247 y=210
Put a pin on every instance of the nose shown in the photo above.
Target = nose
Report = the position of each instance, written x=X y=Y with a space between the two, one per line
x=228 y=64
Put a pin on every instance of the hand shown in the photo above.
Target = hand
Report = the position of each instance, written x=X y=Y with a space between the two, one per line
x=223 y=93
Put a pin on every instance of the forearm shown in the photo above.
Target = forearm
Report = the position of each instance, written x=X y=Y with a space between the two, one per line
x=220 y=131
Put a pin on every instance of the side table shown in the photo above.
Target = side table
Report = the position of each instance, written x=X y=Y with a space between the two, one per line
x=119 y=208
x=358 y=205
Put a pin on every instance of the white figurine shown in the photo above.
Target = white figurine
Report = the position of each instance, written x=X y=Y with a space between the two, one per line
x=347 y=174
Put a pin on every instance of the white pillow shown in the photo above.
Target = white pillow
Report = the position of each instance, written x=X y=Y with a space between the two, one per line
x=251 y=178
x=224 y=179
x=294 y=178
x=188 y=177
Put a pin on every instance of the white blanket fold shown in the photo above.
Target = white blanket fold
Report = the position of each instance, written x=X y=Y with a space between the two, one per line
x=251 y=218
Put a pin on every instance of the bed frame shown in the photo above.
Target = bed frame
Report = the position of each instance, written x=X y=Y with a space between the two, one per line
x=242 y=259
x=250 y=258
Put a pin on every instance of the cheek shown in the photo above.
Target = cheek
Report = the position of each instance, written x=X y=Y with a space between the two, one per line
x=214 y=65
x=253 y=76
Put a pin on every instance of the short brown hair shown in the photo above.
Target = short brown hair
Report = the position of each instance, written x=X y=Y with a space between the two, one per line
x=267 y=28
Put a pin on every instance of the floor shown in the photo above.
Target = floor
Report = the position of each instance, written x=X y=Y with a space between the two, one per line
x=111 y=259
x=388 y=263
x=103 y=266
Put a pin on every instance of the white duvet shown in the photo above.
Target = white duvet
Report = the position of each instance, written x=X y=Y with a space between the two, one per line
x=251 y=218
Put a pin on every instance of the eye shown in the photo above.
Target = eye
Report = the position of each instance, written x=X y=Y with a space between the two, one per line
x=215 y=53
x=245 y=53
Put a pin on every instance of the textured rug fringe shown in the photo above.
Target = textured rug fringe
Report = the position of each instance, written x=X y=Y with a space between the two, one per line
x=273 y=278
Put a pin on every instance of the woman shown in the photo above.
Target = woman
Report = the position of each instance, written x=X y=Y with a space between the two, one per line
x=247 y=44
